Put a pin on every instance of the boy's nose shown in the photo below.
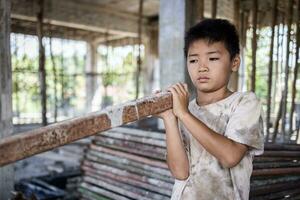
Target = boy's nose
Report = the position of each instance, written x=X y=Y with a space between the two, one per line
x=202 y=68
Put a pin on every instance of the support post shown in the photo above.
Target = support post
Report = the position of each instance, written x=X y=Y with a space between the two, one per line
x=286 y=70
x=90 y=77
x=42 y=70
x=214 y=6
x=254 y=44
x=6 y=128
x=233 y=82
x=270 y=75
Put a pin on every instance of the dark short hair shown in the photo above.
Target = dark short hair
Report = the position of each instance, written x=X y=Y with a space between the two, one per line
x=214 y=30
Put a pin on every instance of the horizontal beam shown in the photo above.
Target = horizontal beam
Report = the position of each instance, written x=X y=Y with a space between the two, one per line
x=26 y=144
x=54 y=31
x=81 y=16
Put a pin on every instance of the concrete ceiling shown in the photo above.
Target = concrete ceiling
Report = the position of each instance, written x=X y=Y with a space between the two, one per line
x=103 y=20
x=84 y=19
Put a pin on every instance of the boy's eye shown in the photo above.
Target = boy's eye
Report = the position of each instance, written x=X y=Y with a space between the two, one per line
x=193 y=61
x=213 y=59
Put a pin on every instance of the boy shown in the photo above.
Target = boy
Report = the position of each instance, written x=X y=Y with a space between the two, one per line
x=210 y=150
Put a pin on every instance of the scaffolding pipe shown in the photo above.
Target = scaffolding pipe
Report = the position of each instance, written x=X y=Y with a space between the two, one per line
x=36 y=141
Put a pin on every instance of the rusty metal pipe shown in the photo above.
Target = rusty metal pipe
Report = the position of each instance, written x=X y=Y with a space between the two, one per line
x=36 y=141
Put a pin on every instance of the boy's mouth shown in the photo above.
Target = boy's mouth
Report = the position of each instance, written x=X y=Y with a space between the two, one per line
x=202 y=79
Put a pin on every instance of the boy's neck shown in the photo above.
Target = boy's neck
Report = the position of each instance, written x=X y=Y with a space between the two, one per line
x=205 y=98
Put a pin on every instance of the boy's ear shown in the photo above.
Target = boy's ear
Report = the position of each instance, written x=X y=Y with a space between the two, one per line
x=236 y=63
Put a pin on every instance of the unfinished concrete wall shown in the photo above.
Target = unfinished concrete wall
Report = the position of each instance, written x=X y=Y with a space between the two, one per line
x=6 y=173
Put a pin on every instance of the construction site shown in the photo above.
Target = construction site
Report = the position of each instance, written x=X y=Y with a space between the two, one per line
x=77 y=104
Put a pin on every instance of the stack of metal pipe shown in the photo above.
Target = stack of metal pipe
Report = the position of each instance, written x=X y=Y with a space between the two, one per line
x=125 y=163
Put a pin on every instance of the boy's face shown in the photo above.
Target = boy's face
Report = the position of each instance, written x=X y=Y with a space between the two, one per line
x=210 y=66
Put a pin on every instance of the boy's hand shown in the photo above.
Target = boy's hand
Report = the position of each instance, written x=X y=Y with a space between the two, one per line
x=168 y=114
x=180 y=95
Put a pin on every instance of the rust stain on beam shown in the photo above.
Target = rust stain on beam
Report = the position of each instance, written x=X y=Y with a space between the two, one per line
x=26 y=144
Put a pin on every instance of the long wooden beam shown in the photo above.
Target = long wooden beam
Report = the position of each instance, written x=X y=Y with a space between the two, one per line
x=26 y=144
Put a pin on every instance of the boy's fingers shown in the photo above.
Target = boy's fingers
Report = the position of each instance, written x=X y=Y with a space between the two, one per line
x=177 y=89
x=182 y=89
x=173 y=91
x=185 y=86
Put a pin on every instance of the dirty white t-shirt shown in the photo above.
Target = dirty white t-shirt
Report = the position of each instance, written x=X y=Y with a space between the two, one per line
x=237 y=117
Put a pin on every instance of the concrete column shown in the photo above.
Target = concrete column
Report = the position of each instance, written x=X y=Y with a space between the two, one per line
x=6 y=128
x=91 y=78
x=172 y=29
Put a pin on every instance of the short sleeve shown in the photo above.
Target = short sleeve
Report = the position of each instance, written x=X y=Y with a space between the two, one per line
x=245 y=123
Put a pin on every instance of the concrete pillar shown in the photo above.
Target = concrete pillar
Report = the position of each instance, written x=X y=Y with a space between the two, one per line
x=91 y=78
x=172 y=29
x=6 y=128
x=171 y=41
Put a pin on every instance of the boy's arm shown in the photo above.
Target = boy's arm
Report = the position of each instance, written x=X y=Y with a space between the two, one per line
x=177 y=159
x=176 y=155
x=228 y=152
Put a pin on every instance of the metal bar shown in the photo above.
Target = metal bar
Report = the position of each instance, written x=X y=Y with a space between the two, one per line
x=276 y=171
x=23 y=145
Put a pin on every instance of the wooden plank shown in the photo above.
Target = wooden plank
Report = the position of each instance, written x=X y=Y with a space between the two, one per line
x=46 y=138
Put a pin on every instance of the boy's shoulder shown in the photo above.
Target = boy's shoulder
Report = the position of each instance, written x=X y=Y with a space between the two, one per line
x=249 y=94
x=238 y=101
x=248 y=97
x=234 y=99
